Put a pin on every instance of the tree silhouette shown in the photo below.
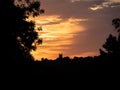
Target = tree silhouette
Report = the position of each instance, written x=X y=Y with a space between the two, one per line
x=116 y=23
x=112 y=44
x=19 y=36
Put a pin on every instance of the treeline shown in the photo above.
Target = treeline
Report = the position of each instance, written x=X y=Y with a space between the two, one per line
x=19 y=37
x=77 y=65
x=107 y=62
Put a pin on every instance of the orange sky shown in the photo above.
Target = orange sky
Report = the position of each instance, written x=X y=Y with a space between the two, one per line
x=57 y=37
x=76 y=33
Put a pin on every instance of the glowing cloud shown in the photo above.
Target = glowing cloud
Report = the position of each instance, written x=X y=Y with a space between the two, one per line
x=57 y=35
x=106 y=4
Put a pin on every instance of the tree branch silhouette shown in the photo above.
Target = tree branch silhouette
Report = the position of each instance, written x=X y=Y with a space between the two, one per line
x=112 y=44
x=19 y=35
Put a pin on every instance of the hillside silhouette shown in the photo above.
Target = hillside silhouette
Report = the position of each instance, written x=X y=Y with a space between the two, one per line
x=18 y=36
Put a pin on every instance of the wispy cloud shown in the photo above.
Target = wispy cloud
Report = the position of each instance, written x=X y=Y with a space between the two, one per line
x=57 y=36
x=106 y=4
x=66 y=29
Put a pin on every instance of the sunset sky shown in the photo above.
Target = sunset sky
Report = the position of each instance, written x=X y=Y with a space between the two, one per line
x=75 y=27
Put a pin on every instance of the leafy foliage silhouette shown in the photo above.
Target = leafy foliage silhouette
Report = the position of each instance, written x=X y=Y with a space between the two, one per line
x=112 y=44
x=116 y=23
x=20 y=36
